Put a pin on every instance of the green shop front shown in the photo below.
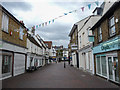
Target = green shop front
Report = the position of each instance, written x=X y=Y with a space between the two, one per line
x=107 y=59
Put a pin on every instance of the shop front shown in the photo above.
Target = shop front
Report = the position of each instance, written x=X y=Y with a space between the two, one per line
x=7 y=60
x=107 y=61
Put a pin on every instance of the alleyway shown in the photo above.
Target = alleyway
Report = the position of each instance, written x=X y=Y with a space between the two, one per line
x=56 y=76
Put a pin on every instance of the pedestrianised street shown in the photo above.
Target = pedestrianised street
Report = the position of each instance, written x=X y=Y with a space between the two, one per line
x=56 y=76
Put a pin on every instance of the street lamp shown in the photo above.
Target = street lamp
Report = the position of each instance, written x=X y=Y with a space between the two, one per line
x=64 y=61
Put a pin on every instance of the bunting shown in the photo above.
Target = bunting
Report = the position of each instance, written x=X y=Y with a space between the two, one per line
x=89 y=6
x=53 y=20
x=97 y=3
x=82 y=9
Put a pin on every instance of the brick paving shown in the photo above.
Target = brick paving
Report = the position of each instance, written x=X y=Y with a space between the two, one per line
x=56 y=76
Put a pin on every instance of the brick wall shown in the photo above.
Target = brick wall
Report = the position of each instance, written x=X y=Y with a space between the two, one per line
x=0 y=21
x=14 y=38
x=105 y=30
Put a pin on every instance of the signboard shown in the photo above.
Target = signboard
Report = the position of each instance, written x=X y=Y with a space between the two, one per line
x=109 y=45
x=91 y=38
x=74 y=47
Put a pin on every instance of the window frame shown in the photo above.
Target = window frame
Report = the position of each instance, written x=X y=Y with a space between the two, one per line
x=21 y=33
x=111 y=26
x=99 y=34
x=5 y=22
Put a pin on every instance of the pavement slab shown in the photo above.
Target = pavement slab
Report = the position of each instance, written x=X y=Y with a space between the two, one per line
x=56 y=76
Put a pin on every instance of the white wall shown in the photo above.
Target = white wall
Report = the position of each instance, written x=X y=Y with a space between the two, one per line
x=74 y=62
x=86 y=59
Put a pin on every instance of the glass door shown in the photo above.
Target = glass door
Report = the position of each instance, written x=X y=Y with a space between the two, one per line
x=113 y=68
x=110 y=68
x=6 y=65
x=116 y=72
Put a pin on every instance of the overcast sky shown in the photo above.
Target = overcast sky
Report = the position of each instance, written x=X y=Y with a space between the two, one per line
x=34 y=12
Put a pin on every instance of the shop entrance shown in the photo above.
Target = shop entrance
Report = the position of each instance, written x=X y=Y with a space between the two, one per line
x=113 y=68
x=6 y=65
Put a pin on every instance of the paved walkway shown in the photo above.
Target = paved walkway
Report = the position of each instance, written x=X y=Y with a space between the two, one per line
x=56 y=76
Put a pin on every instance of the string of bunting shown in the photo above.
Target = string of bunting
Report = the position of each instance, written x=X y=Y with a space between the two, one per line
x=53 y=20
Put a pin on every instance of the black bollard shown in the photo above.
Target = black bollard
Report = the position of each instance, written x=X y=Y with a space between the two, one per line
x=64 y=65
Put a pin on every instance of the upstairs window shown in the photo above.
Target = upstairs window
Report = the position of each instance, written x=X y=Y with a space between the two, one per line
x=99 y=34
x=112 y=30
x=80 y=41
x=5 y=22
x=21 y=33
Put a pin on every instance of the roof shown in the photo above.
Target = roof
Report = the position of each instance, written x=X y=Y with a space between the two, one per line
x=49 y=44
x=31 y=38
x=7 y=12
x=40 y=40
x=75 y=25
x=111 y=9
x=58 y=47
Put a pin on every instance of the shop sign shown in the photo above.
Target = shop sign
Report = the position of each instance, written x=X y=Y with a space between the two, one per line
x=110 y=45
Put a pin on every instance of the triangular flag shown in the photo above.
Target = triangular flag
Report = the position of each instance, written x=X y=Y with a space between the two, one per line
x=53 y=20
x=33 y=27
x=65 y=13
x=46 y=23
x=61 y=16
x=36 y=26
x=89 y=6
x=39 y=25
x=97 y=3
x=75 y=10
x=43 y=24
x=82 y=8
x=49 y=22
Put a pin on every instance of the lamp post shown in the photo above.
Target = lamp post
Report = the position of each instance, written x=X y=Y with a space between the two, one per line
x=64 y=61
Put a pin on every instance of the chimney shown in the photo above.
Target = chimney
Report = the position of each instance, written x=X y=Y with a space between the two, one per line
x=22 y=22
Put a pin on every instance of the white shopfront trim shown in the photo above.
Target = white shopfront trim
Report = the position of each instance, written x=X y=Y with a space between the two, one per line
x=107 y=66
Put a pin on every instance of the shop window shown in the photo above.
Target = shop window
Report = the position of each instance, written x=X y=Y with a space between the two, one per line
x=6 y=64
x=5 y=22
x=103 y=65
x=98 y=68
x=112 y=29
x=99 y=34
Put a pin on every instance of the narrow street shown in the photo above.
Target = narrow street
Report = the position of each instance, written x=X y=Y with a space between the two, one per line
x=56 y=76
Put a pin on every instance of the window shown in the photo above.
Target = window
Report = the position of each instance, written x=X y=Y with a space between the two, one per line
x=6 y=64
x=98 y=69
x=5 y=21
x=99 y=34
x=101 y=66
x=21 y=33
x=80 y=41
x=112 y=26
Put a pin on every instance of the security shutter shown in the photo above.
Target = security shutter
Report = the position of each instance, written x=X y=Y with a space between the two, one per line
x=19 y=64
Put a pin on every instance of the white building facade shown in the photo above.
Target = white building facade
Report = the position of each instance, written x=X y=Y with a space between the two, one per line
x=34 y=54
x=86 y=61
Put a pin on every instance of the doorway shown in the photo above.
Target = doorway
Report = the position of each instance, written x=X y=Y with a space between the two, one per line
x=113 y=73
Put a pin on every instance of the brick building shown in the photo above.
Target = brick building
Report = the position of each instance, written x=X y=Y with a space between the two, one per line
x=13 y=38
x=106 y=48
